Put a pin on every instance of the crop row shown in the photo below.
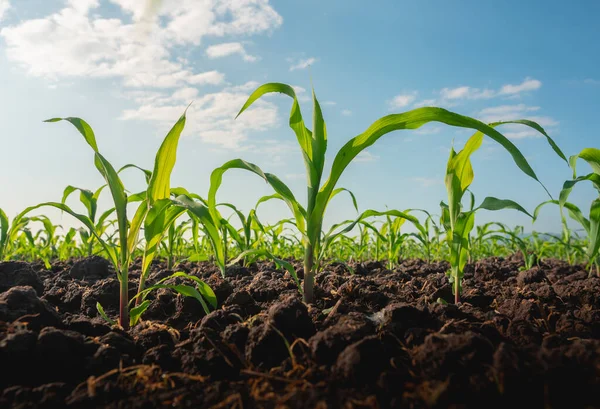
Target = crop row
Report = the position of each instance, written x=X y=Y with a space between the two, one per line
x=175 y=224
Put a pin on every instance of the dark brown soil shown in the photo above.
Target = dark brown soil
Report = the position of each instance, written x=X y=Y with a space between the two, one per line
x=377 y=339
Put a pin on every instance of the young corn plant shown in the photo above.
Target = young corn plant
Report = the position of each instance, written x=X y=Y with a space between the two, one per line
x=525 y=245
x=313 y=145
x=156 y=212
x=459 y=222
x=10 y=231
x=389 y=234
x=590 y=224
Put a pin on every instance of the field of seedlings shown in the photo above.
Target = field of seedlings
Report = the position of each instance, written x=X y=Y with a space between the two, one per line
x=171 y=298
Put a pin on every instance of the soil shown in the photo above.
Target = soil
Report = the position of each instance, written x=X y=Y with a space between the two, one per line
x=376 y=339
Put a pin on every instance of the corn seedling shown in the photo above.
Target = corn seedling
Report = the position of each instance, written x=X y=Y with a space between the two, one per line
x=156 y=212
x=313 y=144
x=459 y=175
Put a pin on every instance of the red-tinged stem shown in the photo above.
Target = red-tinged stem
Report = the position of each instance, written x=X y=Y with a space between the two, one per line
x=124 y=301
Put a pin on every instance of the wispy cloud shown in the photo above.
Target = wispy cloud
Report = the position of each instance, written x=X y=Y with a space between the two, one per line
x=211 y=116
x=466 y=93
x=4 y=6
x=294 y=176
x=301 y=93
x=301 y=64
x=346 y=112
x=428 y=130
x=529 y=84
x=518 y=111
x=227 y=49
x=591 y=81
x=425 y=103
x=366 y=156
x=402 y=100
x=427 y=181
x=451 y=96
x=504 y=112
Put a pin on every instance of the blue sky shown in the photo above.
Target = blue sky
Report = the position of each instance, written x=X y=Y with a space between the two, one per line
x=130 y=76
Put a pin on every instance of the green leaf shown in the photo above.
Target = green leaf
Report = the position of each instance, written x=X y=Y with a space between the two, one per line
x=160 y=182
x=296 y=121
x=86 y=197
x=3 y=233
x=408 y=120
x=135 y=226
x=184 y=290
x=112 y=179
x=342 y=189
x=136 y=312
x=203 y=215
x=83 y=219
x=592 y=157
x=159 y=219
x=492 y=203
x=202 y=287
x=594 y=230
x=146 y=172
x=330 y=237
x=83 y=128
x=103 y=314
x=538 y=128
x=216 y=178
x=570 y=184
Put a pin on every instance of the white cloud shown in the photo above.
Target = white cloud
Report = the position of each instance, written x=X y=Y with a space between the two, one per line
x=295 y=176
x=529 y=84
x=591 y=81
x=226 y=49
x=329 y=103
x=298 y=89
x=507 y=111
x=301 y=93
x=185 y=95
x=366 y=156
x=346 y=112
x=402 y=100
x=425 y=103
x=512 y=112
x=428 y=130
x=522 y=134
x=449 y=96
x=454 y=93
x=302 y=64
x=211 y=117
x=4 y=6
x=427 y=181
x=277 y=151
x=72 y=42
x=139 y=49
x=466 y=93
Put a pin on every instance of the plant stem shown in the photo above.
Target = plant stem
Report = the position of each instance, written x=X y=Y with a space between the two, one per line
x=141 y=286
x=309 y=278
x=124 y=300
x=456 y=285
